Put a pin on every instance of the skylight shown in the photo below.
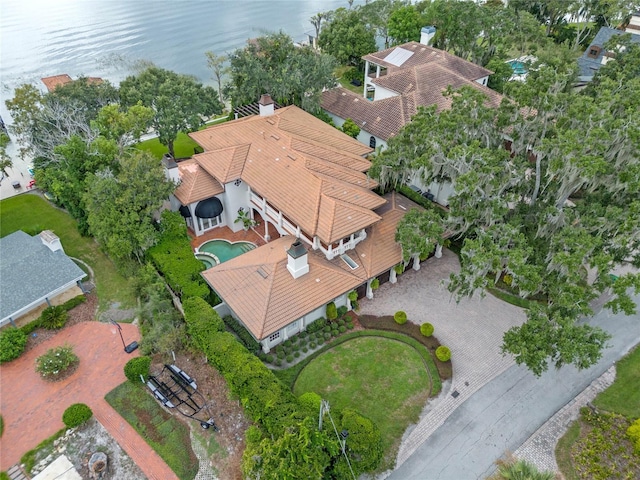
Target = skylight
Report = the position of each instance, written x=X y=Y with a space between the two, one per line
x=349 y=261
x=398 y=56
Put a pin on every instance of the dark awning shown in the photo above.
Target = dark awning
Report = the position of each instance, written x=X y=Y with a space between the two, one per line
x=209 y=208
x=184 y=211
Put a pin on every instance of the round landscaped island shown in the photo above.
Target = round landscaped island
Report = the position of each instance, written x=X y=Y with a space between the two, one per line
x=383 y=379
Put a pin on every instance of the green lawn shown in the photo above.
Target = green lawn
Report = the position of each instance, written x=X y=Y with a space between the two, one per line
x=623 y=396
x=168 y=436
x=385 y=380
x=183 y=146
x=32 y=214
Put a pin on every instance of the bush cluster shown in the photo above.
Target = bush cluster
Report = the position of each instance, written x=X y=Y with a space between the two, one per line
x=332 y=311
x=12 y=343
x=243 y=334
x=174 y=259
x=74 y=302
x=202 y=317
x=342 y=311
x=633 y=432
x=56 y=362
x=76 y=415
x=137 y=366
x=317 y=325
x=443 y=353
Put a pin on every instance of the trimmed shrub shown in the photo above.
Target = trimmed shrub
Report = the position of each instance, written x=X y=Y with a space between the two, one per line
x=355 y=305
x=201 y=318
x=53 y=317
x=342 y=311
x=31 y=326
x=303 y=334
x=278 y=362
x=400 y=317
x=287 y=343
x=12 y=343
x=443 y=353
x=74 y=302
x=426 y=329
x=56 y=362
x=296 y=354
x=375 y=284
x=76 y=415
x=262 y=356
x=312 y=345
x=633 y=432
x=342 y=329
x=349 y=326
x=341 y=322
x=310 y=401
x=137 y=366
x=399 y=268
x=332 y=311
x=317 y=325
x=353 y=296
x=327 y=335
x=335 y=332
x=305 y=349
x=174 y=259
x=327 y=329
x=281 y=354
x=289 y=358
x=268 y=358
x=243 y=334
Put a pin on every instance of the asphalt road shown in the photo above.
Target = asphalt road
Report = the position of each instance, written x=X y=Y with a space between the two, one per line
x=506 y=411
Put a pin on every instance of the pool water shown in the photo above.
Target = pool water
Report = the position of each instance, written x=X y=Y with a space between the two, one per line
x=518 y=67
x=223 y=250
x=206 y=259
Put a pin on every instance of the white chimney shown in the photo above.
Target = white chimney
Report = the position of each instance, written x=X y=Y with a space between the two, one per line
x=51 y=240
x=170 y=168
x=427 y=34
x=266 y=105
x=297 y=259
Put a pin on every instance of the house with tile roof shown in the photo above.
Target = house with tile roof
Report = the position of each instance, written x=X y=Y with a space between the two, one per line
x=307 y=182
x=60 y=80
x=399 y=80
x=596 y=54
x=34 y=270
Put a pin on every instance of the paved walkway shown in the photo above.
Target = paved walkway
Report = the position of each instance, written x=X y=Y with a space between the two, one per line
x=472 y=329
x=32 y=408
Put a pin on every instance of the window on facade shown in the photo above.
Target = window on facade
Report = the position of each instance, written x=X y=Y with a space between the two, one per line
x=372 y=141
x=274 y=336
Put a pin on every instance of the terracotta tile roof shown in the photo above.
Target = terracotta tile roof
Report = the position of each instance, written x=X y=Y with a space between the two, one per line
x=195 y=183
x=423 y=54
x=379 y=251
x=57 y=80
x=384 y=118
x=339 y=219
x=289 y=158
x=419 y=81
x=260 y=290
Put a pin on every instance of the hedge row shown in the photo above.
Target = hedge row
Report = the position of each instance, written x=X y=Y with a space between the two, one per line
x=243 y=334
x=265 y=399
x=174 y=259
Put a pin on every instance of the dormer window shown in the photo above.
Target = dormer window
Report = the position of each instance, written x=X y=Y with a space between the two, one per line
x=594 y=51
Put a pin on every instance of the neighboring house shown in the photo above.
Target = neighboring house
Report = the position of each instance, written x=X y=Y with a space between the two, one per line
x=59 y=80
x=596 y=55
x=398 y=80
x=33 y=271
x=308 y=180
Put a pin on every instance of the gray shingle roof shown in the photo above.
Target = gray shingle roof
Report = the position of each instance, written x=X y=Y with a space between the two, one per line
x=588 y=66
x=30 y=271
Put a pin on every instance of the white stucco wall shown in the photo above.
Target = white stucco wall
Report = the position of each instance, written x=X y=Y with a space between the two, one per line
x=234 y=198
x=382 y=93
x=363 y=137
x=483 y=80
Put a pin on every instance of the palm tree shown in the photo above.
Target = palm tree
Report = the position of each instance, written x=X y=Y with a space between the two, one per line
x=523 y=470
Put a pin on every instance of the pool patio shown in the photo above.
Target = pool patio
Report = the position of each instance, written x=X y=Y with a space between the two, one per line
x=254 y=235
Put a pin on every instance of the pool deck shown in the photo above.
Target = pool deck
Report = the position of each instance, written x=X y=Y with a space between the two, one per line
x=253 y=235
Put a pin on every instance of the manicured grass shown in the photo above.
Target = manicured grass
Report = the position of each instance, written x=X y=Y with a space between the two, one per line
x=340 y=71
x=183 y=146
x=509 y=298
x=383 y=379
x=32 y=214
x=168 y=436
x=623 y=396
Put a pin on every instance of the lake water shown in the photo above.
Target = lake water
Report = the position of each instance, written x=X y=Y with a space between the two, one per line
x=105 y=38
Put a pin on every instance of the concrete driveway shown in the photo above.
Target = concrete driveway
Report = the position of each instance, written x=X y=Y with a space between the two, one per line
x=472 y=329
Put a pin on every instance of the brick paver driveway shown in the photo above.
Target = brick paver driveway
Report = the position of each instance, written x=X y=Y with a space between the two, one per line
x=472 y=329
x=32 y=408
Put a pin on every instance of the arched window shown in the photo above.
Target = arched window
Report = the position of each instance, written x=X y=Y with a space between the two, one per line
x=372 y=141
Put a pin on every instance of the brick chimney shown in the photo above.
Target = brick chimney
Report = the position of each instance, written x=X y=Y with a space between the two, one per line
x=297 y=259
x=266 y=105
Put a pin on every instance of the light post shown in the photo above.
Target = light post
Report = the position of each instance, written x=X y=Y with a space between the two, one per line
x=127 y=348
x=342 y=436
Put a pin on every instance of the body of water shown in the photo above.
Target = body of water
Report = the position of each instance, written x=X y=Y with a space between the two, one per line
x=107 y=38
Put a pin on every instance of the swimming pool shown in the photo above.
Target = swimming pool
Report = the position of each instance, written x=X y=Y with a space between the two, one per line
x=518 y=67
x=219 y=251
